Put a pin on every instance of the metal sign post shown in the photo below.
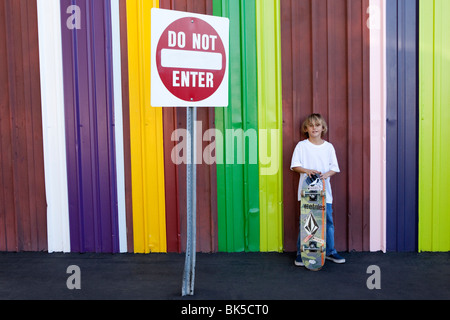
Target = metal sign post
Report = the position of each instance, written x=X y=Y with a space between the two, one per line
x=191 y=204
x=189 y=68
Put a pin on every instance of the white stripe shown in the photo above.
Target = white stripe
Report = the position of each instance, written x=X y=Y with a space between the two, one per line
x=120 y=163
x=53 y=125
x=378 y=127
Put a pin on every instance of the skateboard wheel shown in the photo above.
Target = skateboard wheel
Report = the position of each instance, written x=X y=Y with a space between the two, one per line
x=303 y=193
x=322 y=193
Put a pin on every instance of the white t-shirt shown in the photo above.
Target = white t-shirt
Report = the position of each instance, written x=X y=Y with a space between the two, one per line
x=315 y=157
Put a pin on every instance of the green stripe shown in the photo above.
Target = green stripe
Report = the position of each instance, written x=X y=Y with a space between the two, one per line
x=270 y=124
x=434 y=150
x=237 y=180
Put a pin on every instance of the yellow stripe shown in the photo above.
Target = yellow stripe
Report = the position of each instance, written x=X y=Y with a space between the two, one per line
x=147 y=159
x=270 y=125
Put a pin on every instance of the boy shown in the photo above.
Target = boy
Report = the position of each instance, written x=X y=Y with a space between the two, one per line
x=317 y=156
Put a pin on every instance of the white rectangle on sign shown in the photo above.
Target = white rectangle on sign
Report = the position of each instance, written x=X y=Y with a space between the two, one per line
x=172 y=58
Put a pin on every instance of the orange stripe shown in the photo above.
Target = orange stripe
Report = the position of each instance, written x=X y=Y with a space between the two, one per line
x=323 y=221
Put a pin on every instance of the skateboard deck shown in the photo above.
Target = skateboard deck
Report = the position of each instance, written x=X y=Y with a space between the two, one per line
x=313 y=219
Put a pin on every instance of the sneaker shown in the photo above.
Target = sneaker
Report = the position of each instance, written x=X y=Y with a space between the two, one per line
x=336 y=258
x=298 y=262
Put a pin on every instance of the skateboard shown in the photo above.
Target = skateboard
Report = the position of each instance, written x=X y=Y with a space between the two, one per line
x=313 y=219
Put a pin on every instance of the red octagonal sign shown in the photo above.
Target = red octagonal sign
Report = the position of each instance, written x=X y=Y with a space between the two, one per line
x=191 y=59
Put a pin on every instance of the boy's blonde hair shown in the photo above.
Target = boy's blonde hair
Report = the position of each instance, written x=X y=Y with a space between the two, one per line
x=313 y=119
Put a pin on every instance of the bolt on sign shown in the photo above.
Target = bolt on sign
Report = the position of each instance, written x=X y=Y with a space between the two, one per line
x=189 y=58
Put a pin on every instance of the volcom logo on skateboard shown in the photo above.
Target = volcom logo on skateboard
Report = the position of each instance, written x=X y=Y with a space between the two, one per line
x=311 y=225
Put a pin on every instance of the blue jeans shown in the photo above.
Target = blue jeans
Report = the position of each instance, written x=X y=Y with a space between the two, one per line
x=330 y=232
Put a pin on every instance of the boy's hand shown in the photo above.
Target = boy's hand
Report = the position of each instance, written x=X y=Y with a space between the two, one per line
x=328 y=174
x=310 y=172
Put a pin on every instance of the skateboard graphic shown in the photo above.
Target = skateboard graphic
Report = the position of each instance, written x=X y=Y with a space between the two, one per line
x=313 y=219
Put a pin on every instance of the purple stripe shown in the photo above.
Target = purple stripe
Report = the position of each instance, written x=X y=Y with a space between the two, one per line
x=402 y=126
x=90 y=128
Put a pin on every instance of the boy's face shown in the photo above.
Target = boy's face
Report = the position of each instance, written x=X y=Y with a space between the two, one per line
x=315 y=129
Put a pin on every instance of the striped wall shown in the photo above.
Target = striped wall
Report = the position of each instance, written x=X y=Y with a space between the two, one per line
x=86 y=163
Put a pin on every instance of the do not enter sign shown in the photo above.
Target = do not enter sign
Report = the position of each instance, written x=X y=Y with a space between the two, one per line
x=189 y=59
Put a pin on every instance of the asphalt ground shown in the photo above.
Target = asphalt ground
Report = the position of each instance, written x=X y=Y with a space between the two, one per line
x=223 y=276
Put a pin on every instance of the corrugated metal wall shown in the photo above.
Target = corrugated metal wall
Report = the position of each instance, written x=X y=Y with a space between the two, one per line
x=249 y=175
x=23 y=219
x=118 y=124
x=434 y=150
x=376 y=24
x=53 y=125
x=268 y=49
x=126 y=125
x=146 y=136
x=89 y=113
x=238 y=182
x=110 y=183
x=402 y=124
x=325 y=56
